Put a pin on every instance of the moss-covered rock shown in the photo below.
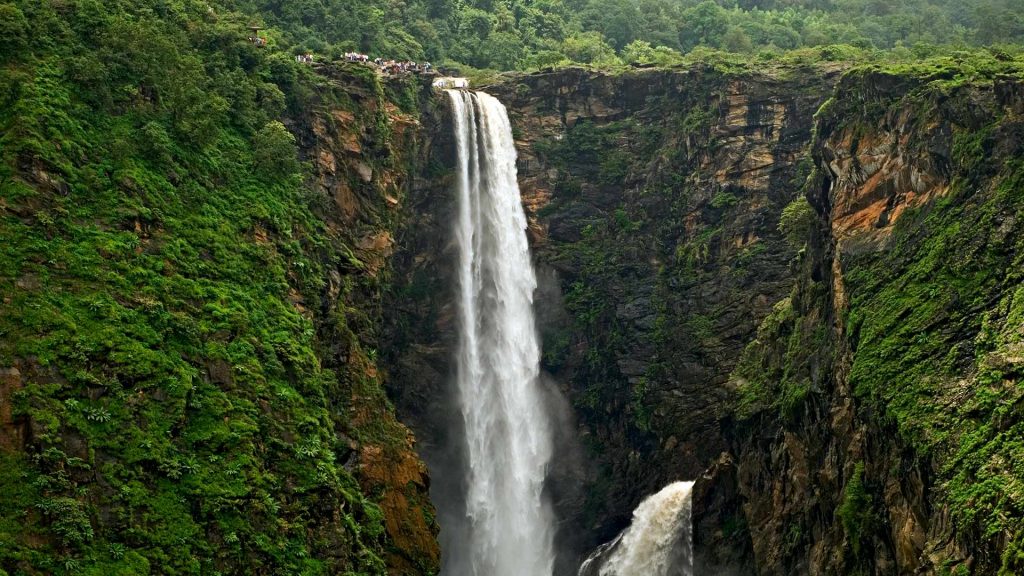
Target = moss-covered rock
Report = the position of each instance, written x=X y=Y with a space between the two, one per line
x=189 y=322
x=911 y=277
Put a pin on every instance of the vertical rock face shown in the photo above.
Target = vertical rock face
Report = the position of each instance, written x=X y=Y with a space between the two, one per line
x=877 y=399
x=810 y=305
x=654 y=200
x=364 y=150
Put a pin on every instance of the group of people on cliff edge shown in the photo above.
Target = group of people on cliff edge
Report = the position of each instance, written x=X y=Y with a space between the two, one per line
x=401 y=66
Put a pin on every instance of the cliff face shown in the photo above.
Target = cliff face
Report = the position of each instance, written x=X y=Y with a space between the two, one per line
x=798 y=285
x=362 y=137
x=897 y=356
x=654 y=200
x=188 y=377
x=812 y=306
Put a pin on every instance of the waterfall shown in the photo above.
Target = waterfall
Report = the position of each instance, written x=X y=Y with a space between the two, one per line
x=659 y=541
x=507 y=429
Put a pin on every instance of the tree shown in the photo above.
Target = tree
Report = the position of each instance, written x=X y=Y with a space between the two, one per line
x=704 y=24
x=736 y=40
x=13 y=31
x=665 y=56
x=617 y=20
x=503 y=51
x=537 y=25
x=546 y=59
x=274 y=151
x=477 y=22
x=638 y=52
x=590 y=48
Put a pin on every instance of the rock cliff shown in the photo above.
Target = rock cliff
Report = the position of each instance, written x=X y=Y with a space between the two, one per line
x=797 y=285
x=654 y=200
x=879 y=401
x=362 y=137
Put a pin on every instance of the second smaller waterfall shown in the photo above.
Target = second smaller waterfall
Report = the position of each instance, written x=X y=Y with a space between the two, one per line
x=659 y=541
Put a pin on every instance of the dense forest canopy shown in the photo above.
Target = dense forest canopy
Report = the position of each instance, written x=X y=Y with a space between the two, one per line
x=517 y=34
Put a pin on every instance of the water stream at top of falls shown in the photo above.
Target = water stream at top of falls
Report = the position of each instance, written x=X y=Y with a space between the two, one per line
x=658 y=542
x=508 y=432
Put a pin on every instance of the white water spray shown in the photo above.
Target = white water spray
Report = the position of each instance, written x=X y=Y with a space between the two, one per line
x=659 y=541
x=508 y=432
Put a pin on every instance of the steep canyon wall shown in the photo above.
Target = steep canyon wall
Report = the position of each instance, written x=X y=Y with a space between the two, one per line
x=889 y=378
x=654 y=200
x=798 y=286
x=795 y=285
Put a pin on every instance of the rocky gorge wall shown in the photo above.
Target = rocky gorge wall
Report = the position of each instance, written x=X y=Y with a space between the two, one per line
x=654 y=200
x=888 y=380
x=796 y=285
x=362 y=139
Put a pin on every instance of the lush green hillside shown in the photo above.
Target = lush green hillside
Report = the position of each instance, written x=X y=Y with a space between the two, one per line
x=177 y=395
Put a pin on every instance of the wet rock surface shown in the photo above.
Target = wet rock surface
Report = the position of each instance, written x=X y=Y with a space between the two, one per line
x=653 y=201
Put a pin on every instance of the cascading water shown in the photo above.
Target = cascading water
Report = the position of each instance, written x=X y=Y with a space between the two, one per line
x=507 y=429
x=659 y=541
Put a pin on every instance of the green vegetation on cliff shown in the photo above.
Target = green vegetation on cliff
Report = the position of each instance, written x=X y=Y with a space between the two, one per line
x=925 y=278
x=177 y=397
x=939 y=341
x=188 y=323
x=658 y=204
